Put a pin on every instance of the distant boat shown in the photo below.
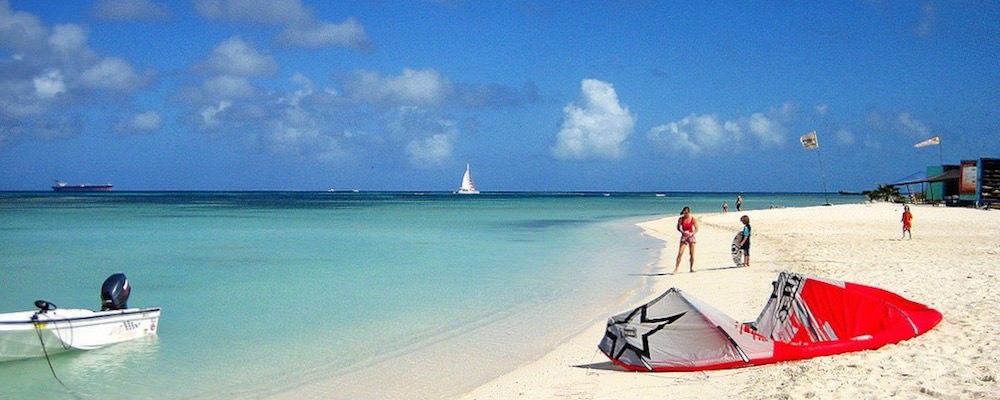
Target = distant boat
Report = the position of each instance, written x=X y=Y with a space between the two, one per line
x=63 y=187
x=467 y=186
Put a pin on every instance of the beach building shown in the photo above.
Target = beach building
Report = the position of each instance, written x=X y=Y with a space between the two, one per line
x=972 y=183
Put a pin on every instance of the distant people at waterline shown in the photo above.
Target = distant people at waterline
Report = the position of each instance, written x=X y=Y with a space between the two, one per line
x=725 y=207
x=739 y=203
x=687 y=225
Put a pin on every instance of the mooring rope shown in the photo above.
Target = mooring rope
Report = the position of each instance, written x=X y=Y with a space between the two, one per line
x=41 y=340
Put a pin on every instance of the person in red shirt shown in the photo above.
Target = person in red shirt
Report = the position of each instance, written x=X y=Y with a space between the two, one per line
x=907 y=222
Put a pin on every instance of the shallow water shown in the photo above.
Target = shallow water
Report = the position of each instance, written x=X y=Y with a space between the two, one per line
x=265 y=291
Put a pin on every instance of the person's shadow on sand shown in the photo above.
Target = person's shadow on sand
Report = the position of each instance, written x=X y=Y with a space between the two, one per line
x=695 y=272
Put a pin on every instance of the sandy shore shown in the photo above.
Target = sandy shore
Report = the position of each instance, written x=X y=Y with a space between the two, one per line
x=951 y=264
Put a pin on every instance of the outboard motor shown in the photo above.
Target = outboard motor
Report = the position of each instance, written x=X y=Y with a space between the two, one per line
x=114 y=292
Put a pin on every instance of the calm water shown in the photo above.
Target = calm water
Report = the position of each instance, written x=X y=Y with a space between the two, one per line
x=263 y=292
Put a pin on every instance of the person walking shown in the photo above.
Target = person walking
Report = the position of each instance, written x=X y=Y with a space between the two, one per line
x=907 y=222
x=739 y=203
x=687 y=225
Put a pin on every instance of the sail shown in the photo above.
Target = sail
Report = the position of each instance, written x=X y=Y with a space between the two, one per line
x=467 y=186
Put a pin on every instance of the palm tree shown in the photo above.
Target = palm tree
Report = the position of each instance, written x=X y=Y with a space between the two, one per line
x=884 y=192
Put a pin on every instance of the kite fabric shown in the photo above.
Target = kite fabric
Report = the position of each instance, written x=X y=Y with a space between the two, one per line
x=804 y=317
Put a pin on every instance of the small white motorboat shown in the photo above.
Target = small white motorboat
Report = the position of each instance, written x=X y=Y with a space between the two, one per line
x=51 y=330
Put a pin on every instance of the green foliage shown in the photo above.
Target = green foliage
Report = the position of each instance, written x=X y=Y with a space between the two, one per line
x=883 y=193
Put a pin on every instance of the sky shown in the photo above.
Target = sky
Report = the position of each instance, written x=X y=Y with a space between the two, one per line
x=534 y=95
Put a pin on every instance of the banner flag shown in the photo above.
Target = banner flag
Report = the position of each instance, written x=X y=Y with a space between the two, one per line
x=929 y=142
x=809 y=141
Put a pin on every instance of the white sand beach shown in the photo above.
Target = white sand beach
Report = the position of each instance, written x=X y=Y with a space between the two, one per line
x=951 y=264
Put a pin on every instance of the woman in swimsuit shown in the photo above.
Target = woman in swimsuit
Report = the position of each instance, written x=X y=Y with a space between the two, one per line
x=687 y=226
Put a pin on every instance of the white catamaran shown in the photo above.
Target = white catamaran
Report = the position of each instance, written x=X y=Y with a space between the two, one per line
x=467 y=186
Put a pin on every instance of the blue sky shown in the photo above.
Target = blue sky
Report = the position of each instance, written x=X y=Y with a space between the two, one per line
x=400 y=95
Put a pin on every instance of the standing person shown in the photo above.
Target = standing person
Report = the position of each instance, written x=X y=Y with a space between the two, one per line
x=907 y=222
x=687 y=225
x=739 y=203
x=745 y=243
x=725 y=207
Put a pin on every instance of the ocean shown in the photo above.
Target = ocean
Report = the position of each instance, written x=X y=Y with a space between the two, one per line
x=269 y=292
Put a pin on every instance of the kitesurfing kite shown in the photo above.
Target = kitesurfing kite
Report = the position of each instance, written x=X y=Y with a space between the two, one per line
x=805 y=317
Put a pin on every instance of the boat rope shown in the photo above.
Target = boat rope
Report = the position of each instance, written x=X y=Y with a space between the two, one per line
x=41 y=340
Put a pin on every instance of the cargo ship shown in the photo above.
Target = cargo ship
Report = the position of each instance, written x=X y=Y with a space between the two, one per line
x=63 y=187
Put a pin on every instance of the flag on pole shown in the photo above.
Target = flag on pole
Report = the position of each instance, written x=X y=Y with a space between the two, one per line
x=929 y=142
x=809 y=141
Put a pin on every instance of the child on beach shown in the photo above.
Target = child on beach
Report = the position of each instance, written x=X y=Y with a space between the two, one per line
x=907 y=222
x=745 y=243
x=687 y=226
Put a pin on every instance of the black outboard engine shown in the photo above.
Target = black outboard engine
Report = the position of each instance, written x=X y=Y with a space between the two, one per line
x=114 y=292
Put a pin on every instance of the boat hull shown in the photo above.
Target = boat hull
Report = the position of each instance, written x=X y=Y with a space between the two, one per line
x=82 y=188
x=61 y=330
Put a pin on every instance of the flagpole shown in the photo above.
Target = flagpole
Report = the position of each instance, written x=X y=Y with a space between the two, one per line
x=823 y=175
x=934 y=141
x=941 y=154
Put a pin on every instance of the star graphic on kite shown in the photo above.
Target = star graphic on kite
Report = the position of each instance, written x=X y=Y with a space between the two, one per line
x=629 y=327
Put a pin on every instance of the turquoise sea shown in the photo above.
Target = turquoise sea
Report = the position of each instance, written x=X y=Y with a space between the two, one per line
x=269 y=292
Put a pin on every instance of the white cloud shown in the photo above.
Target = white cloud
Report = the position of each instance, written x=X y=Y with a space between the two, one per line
x=598 y=129
x=315 y=35
x=19 y=30
x=236 y=57
x=50 y=84
x=822 y=110
x=227 y=87
x=54 y=63
x=412 y=87
x=148 y=121
x=209 y=113
x=767 y=130
x=294 y=136
x=433 y=149
x=68 y=39
x=260 y=11
x=130 y=10
x=912 y=127
x=110 y=73
x=844 y=137
x=695 y=134
x=302 y=29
